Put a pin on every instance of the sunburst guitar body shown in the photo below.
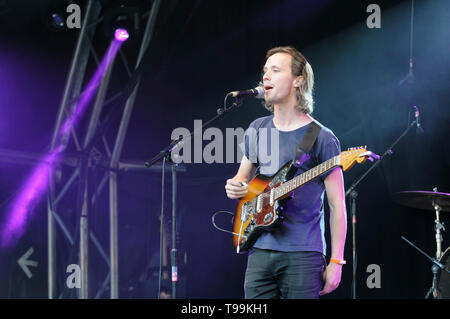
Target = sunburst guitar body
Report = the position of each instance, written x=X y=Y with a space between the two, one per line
x=262 y=208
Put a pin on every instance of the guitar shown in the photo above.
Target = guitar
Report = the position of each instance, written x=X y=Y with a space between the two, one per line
x=261 y=209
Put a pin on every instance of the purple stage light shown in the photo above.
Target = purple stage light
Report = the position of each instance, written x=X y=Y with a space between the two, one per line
x=121 y=35
x=28 y=197
x=22 y=207
x=88 y=93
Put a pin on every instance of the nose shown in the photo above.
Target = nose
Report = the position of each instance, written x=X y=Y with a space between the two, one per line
x=266 y=76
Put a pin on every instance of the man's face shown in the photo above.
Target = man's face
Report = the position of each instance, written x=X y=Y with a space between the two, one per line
x=279 y=82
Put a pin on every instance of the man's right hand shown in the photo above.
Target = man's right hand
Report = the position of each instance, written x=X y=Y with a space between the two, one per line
x=235 y=189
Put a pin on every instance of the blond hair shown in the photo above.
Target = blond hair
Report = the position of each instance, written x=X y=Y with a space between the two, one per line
x=299 y=66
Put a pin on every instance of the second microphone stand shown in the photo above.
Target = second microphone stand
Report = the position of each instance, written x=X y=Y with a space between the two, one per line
x=353 y=194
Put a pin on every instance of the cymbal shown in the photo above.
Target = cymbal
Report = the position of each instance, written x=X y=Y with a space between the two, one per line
x=423 y=200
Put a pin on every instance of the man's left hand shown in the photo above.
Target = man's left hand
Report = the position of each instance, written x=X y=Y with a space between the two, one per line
x=331 y=277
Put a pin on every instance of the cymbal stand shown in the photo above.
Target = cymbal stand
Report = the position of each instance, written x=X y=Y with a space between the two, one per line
x=437 y=228
x=433 y=289
x=434 y=269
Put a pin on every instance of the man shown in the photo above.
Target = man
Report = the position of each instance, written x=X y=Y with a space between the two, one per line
x=289 y=262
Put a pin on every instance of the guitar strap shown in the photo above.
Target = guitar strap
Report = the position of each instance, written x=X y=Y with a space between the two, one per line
x=302 y=149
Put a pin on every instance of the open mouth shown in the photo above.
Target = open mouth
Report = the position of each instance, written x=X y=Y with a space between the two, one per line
x=267 y=88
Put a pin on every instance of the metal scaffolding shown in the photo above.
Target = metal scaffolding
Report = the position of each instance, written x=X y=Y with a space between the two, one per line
x=79 y=175
x=72 y=90
x=79 y=164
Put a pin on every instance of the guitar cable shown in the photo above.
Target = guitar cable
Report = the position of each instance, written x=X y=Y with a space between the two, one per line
x=221 y=229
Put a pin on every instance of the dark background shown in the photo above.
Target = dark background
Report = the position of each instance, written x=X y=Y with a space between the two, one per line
x=200 y=51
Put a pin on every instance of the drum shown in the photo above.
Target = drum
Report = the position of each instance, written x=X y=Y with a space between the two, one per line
x=443 y=277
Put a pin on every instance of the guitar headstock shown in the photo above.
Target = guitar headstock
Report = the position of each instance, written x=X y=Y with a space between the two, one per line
x=355 y=155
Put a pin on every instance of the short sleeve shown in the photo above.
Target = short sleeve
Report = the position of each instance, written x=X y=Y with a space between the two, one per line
x=249 y=145
x=328 y=147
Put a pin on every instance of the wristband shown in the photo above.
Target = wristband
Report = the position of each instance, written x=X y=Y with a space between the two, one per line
x=338 y=261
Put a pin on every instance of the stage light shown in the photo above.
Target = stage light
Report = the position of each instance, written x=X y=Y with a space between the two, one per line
x=121 y=17
x=57 y=20
x=54 y=15
x=14 y=224
x=121 y=35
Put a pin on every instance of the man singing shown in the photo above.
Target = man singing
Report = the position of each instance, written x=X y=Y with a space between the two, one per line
x=289 y=261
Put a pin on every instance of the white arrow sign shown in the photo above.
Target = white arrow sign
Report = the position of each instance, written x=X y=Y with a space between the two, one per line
x=24 y=262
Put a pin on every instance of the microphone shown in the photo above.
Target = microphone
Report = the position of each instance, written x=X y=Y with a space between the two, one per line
x=257 y=92
x=419 y=129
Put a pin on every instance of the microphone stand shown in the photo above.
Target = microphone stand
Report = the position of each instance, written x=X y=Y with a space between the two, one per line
x=166 y=153
x=167 y=150
x=434 y=269
x=353 y=194
x=173 y=252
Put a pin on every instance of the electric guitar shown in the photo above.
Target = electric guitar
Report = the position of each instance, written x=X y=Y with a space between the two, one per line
x=261 y=209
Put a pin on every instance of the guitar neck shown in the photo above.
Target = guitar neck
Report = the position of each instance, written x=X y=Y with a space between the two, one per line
x=305 y=177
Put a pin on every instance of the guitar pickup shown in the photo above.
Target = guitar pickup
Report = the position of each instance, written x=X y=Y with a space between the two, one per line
x=258 y=203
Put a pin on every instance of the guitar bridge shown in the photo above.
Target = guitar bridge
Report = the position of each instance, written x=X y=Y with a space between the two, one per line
x=246 y=211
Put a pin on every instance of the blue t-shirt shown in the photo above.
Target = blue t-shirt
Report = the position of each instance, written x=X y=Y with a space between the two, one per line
x=269 y=149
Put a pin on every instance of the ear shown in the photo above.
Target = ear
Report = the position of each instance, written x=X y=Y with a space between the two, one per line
x=298 y=81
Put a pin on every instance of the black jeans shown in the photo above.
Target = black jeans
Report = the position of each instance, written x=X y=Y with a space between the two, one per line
x=274 y=274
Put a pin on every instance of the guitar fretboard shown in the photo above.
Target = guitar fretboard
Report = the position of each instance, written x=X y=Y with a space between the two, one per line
x=305 y=177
